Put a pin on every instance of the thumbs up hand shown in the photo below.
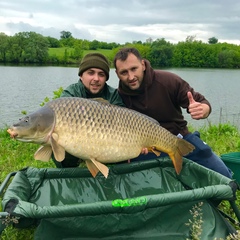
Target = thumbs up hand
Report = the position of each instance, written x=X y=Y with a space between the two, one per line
x=196 y=109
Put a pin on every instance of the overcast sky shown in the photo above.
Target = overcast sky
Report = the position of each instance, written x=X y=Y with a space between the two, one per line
x=123 y=21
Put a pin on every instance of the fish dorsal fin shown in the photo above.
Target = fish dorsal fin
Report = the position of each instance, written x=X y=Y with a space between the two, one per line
x=44 y=153
x=58 y=150
x=100 y=167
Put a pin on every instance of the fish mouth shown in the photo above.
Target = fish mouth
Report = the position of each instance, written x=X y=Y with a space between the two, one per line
x=12 y=133
x=16 y=136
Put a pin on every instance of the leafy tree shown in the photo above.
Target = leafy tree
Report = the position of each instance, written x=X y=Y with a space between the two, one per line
x=17 y=44
x=4 y=45
x=191 y=38
x=137 y=42
x=143 y=49
x=66 y=56
x=228 y=55
x=94 y=45
x=78 y=51
x=35 y=48
x=161 y=53
x=67 y=42
x=194 y=54
x=212 y=40
x=28 y=47
x=149 y=40
x=103 y=45
x=113 y=45
x=209 y=57
x=53 y=42
x=227 y=58
x=85 y=44
x=65 y=35
x=161 y=56
x=66 y=39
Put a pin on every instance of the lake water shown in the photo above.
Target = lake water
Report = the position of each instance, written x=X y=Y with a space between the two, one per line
x=24 y=88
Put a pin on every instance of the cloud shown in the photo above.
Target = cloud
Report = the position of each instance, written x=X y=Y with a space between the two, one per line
x=124 y=21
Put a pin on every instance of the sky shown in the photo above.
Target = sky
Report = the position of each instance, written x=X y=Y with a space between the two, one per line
x=124 y=21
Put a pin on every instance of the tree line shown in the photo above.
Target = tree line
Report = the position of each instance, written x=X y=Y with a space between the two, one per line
x=31 y=47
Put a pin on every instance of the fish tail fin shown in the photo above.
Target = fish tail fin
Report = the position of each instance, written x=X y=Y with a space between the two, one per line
x=182 y=148
x=177 y=161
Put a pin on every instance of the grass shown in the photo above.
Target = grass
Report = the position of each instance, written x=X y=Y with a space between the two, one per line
x=105 y=52
x=15 y=155
x=223 y=138
x=58 y=54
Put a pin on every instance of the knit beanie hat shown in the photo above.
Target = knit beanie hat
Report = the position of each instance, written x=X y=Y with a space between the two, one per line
x=94 y=60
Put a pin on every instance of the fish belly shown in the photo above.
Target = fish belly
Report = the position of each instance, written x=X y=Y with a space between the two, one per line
x=89 y=129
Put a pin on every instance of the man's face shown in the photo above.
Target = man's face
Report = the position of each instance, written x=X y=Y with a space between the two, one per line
x=94 y=79
x=131 y=71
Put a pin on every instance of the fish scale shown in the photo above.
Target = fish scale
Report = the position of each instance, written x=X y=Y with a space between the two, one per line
x=97 y=132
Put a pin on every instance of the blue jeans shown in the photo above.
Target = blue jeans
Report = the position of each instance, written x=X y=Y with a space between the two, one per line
x=202 y=154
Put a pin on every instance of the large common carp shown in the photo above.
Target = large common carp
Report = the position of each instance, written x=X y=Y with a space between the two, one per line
x=96 y=132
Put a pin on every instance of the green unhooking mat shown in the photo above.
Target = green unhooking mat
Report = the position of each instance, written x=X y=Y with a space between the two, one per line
x=141 y=200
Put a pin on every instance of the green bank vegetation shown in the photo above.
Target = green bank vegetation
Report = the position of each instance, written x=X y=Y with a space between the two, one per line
x=33 y=48
x=15 y=155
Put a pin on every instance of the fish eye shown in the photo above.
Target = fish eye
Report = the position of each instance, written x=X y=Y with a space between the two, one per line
x=26 y=119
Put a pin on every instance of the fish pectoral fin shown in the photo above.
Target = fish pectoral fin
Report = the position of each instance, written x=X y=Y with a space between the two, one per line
x=54 y=136
x=154 y=150
x=101 y=167
x=58 y=150
x=44 y=153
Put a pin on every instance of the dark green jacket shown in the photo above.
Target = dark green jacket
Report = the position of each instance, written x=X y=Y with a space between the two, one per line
x=78 y=90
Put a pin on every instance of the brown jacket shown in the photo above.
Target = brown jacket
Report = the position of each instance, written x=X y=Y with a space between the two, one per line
x=162 y=95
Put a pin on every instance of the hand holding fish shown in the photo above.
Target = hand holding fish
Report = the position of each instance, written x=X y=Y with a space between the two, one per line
x=196 y=109
x=144 y=151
